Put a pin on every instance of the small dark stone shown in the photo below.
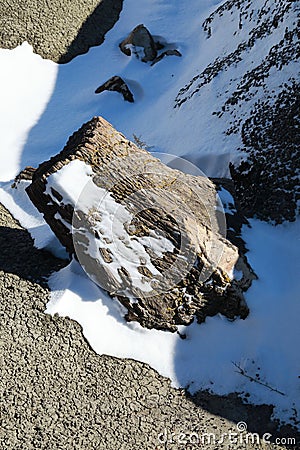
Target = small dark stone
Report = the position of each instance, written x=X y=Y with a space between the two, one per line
x=116 y=84
x=166 y=53
x=140 y=37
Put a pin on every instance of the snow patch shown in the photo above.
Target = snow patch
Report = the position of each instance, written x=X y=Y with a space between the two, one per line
x=26 y=84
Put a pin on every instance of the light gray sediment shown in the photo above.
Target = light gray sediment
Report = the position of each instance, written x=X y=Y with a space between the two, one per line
x=57 y=29
x=57 y=394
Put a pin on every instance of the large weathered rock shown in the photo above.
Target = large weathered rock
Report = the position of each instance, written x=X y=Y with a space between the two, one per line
x=140 y=38
x=116 y=84
x=149 y=235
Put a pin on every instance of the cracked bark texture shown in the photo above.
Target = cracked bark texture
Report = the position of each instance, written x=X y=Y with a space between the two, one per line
x=267 y=179
x=56 y=393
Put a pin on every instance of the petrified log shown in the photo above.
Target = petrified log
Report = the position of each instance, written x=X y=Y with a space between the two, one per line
x=140 y=38
x=25 y=175
x=148 y=234
x=116 y=84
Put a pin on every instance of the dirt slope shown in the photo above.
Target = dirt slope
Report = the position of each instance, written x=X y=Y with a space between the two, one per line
x=57 y=30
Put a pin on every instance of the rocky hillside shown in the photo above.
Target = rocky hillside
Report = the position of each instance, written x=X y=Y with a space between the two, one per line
x=254 y=77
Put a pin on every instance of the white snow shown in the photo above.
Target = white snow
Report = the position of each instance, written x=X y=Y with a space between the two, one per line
x=70 y=181
x=26 y=85
x=43 y=103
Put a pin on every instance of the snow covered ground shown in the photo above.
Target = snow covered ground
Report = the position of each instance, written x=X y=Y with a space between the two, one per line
x=42 y=104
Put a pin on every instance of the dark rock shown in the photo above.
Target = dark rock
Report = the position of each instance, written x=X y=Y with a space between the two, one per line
x=157 y=244
x=140 y=37
x=116 y=84
x=166 y=53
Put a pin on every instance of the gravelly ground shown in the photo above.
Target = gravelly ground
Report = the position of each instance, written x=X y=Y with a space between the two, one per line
x=56 y=393
x=57 y=29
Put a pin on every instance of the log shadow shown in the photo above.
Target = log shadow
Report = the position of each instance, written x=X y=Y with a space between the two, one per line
x=91 y=33
x=233 y=407
x=256 y=417
x=19 y=256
